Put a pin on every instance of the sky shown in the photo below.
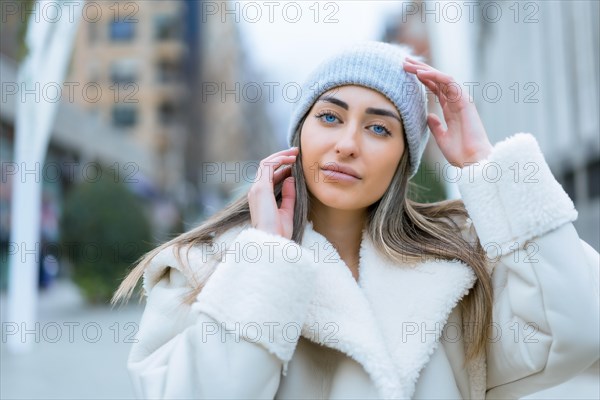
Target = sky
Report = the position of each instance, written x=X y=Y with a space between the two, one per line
x=286 y=41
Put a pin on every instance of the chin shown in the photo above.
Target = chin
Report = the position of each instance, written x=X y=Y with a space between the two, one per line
x=340 y=201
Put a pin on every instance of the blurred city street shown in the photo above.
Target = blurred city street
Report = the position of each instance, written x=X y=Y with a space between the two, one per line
x=80 y=351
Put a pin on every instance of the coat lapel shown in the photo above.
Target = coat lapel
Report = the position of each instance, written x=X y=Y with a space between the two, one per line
x=391 y=320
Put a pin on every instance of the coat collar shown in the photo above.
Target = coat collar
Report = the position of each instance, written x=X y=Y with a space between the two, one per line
x=391 y=320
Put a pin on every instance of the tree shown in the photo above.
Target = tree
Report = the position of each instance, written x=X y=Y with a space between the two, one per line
x=105 y=229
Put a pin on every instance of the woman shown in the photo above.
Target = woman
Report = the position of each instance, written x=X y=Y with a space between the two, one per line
x=325 y=281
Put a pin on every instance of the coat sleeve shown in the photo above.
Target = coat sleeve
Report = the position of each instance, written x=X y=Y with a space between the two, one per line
x=236 y=339
x=545 y=278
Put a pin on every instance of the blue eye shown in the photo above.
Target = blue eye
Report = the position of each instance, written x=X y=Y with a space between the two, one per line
x=380 y=130
x=327 y=117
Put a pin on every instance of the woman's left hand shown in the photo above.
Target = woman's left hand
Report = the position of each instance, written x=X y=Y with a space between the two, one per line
x=465 y=140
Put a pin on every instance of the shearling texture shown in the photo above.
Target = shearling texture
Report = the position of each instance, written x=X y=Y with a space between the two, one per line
x=512 y=196
x=421 y=297
x=264 y=280
x=199 y=261
x=341 y=317
x=364 y=320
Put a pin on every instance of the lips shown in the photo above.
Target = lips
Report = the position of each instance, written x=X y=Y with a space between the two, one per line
x=343 y=169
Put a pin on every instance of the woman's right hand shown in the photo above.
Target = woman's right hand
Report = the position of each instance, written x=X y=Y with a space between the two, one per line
x=261 y=197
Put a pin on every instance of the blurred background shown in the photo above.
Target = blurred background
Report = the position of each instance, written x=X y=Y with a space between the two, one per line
x=166 y=108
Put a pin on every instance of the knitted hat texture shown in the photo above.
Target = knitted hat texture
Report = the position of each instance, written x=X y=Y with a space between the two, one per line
x=378 y=66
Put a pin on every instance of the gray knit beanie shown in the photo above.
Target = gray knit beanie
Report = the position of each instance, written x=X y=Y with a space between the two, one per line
x=378 y=66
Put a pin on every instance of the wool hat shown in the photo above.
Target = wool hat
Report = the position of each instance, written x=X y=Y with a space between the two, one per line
x=378 y=66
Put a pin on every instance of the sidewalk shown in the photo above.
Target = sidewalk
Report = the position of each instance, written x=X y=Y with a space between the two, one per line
x=79 y=351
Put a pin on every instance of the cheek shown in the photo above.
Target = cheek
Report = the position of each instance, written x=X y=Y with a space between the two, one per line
x=382 y=169
x=310 y=163
x=313 y=147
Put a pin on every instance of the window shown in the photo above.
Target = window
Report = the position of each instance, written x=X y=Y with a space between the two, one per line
x=168 y=71
x=167 y=27
x=121 y=30
x=124 y=116
x=167 y=113
x=123 y=71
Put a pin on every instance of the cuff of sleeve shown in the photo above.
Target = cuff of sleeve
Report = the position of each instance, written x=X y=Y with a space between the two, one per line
x=512 y=196
x=166 y=258
x=261 y=291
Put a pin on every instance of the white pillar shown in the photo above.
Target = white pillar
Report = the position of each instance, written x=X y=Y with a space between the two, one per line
x=49 y=42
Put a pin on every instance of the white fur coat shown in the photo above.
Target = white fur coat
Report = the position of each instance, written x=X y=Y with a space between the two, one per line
x=277 y=319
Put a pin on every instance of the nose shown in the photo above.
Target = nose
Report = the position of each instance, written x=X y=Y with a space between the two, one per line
x=348 y=142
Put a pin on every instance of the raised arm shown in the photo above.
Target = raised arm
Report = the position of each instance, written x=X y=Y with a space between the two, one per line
x=545 y=278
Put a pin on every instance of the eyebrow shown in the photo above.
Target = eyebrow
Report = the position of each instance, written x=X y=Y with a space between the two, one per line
x=370 y=110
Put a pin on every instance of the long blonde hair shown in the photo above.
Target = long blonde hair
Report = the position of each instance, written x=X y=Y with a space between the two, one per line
x=402 y=229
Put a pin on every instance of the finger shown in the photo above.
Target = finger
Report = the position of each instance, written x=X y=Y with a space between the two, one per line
x=272 y=163
x=447 y=92
x=417 y=64
x=288 y=196
x=436 y=126
x=285 y=152
x=431 y=85
x=428 y=71
x=435 y=89
x=415 y=61
x=282 y=173
x=412 y=68
x=267 y=169
x=261 y=198
x=413 y=65
x=435 y=75
x=448 y=89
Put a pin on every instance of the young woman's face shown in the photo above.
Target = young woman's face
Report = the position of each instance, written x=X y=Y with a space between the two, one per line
x=355 y=127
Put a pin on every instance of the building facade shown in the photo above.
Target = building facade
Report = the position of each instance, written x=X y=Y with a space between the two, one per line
x=133 y=53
